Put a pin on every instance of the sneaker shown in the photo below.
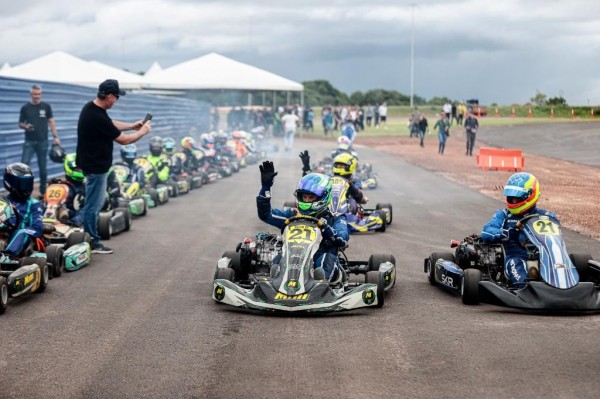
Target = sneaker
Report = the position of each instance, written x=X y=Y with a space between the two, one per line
x=101 y=249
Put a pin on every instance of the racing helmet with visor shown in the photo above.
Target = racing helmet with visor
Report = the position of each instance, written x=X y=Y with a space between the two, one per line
x=522 y=191
x=313 y=194
x=128 y=153
x=343 y=143
x=344 y=164
x=169 y=145
x=156 y=146
x=73 y=172
x=18 y=180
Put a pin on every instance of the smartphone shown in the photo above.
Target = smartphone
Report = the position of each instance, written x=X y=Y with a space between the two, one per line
x=147 y=118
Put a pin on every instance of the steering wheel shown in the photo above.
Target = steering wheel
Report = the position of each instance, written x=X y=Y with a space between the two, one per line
x=521 y=223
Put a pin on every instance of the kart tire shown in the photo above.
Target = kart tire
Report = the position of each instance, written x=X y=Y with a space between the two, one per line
x=3 y=295
x=433 y=258
x=580 y=263
x=128 y=218
x=388 y=208
x=383 y=215
x=153 y=195
x=54 y=255
x=377 y=259
x=469 y=287
x=76 y=237
x=241 y=273
x=373 y=277
x=225 y=274
x=105 y=225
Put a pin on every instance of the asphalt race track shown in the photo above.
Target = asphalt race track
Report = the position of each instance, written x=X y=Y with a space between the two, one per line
x=140 y=323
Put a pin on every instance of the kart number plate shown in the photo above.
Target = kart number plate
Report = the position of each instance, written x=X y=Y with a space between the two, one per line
x=301 y=234
x=546 y=228
x=56 y=193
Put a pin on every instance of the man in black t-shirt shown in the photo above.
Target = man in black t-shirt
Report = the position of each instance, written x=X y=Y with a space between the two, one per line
x=95 y=135
x=34 y=118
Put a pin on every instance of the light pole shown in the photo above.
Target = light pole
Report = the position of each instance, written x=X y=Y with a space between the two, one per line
x=412 y=54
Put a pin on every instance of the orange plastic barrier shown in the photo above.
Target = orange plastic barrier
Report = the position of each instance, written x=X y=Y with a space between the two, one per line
x=500 y=159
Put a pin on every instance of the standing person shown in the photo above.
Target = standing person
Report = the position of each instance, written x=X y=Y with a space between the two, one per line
x=415 y=118
x=290 y=122
x=454 y=116
x=34 y=118
x=461 y=110
x=447 y=107
x=443 y=127
x=383 y=114
x=369 y=114
x=96 y=132
x=471 y=126
x=422 y=129
x=376 y=115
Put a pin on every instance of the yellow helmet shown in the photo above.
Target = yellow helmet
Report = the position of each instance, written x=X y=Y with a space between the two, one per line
x=344 y=164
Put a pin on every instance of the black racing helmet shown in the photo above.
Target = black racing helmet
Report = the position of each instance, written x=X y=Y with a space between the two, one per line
x=18 y=180
x=57 y=153
x=156 y=146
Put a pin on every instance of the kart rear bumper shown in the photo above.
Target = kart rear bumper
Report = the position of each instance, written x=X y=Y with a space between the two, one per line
x=321 y=298
x=540 y=296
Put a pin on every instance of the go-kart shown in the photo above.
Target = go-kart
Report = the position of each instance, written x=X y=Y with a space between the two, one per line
x=68 y=247
x=130 y=194
x=360 y=220
x=25 y=274
x=557 y=281
x=276 y=273
x=112 y=221
x=158 y=192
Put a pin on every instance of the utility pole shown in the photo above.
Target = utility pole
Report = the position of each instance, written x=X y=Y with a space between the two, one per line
x=412 y=54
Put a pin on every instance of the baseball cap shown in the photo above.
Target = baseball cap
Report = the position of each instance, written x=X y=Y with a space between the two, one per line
x=110 y=86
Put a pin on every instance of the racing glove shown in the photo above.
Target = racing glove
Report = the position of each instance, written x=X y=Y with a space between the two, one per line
x=326 y=230
x=510 y=234
x=267 y=174
x=305 y=161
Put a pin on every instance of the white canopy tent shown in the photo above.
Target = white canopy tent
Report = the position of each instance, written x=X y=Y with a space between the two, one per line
x=155 y=67
x=5 y=67
x=59 y=66
x=214 y=71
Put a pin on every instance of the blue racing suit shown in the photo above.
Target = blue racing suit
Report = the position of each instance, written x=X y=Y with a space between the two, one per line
x=502 y=228
x=30 y=225
x=335 y=236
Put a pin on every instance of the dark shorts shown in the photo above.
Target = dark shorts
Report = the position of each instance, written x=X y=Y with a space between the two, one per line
x=383 y=118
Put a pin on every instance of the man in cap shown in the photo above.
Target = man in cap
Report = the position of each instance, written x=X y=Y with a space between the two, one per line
x=96 y=132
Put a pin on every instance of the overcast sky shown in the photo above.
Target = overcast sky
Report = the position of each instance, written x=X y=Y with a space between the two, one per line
x=498 y=50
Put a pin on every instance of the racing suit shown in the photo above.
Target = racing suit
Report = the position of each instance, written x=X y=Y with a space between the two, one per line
x=501 y=228
x=30 y=225
x=74 y=201
x=335 y=235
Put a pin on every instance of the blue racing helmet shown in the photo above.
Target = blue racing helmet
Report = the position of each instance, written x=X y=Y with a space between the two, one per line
x=169 y=145
x=317 y=186
x=129 y=153
x=18 y=180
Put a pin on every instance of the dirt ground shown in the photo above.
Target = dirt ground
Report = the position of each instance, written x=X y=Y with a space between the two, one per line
x=570 y=190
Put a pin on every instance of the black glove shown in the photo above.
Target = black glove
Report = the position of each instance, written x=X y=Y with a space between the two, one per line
x=326 y=230
x=305 y=160
x=511 y=234
x=267 y=173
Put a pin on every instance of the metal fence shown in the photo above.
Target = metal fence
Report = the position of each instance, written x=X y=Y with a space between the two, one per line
x=173 y=117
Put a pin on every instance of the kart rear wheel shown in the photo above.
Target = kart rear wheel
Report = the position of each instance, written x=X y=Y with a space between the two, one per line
x=580 y=263
x=373 y=277
x=388 y=208
x=225 y=274
x=433 y=258
x=76 y=237
x=377 y=259
x=236 y=264
x=153 y=195
x=3 y=295
x=54 y=255
x=469 y=287
x=105 y=225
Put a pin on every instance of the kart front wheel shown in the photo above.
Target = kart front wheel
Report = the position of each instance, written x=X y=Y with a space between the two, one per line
x=225 y=274
x=433 y=258
x=45 y=273
x=580 y=263
x=54 y=255
x=236 y=264
x=128 y=218
x=3 y=295
x=76 y=237
x=469 y=287
x=377 y=259
x=105 y=225
x=389 y=210
x=379 y=279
